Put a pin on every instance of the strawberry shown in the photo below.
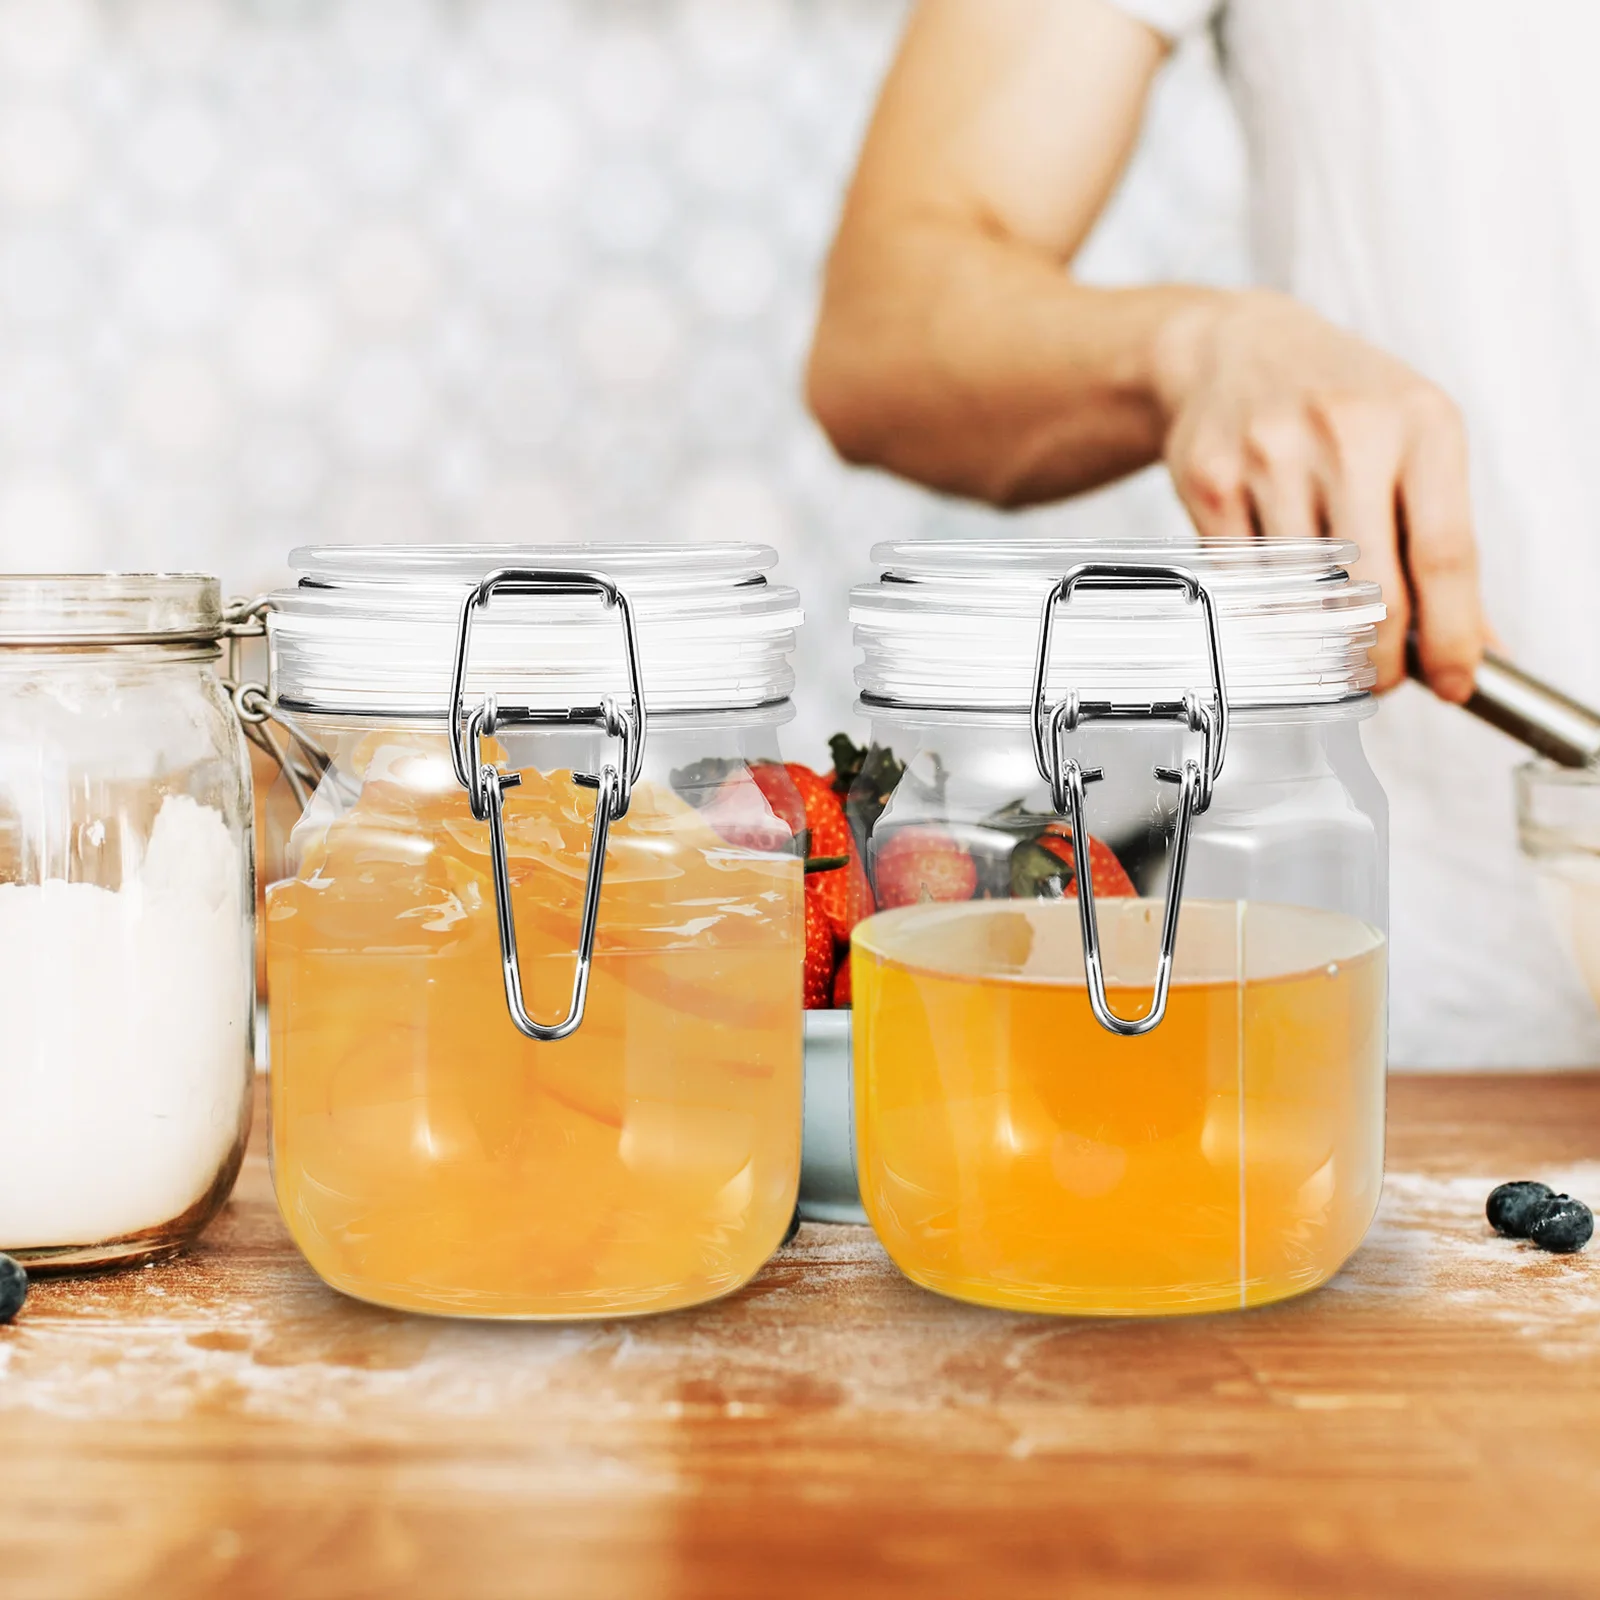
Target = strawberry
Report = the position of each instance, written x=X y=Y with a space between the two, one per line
x=1046 y=867
x=923 y=863
x=824 y=813
x=757 y=809
x=846 y=896
x=773 y=780
x=843 y=893
x=841 y=984
x=819 y=956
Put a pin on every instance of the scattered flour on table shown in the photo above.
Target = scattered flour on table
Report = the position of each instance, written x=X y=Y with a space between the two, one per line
x=180 y=1339
x=250 y=1333
x=124 y=1037
x=1431 y=1239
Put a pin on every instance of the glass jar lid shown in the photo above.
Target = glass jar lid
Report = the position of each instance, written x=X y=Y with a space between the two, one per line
x=955 y=625
x=371 y=630
x=52 y=610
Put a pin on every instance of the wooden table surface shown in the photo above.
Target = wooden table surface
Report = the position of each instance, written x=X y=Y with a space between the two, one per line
x=1427 y=1425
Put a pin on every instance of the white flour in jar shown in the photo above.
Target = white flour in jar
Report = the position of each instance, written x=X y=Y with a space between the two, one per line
x=124 y=1038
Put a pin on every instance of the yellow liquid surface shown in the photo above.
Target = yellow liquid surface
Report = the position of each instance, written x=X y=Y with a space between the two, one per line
x=1015 y=1153
x=429 y=1156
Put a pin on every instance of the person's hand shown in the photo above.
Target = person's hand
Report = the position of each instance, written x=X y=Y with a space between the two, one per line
x=1281 y=425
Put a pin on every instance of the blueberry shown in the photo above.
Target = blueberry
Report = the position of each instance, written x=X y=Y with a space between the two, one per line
x=14 y=1287
x=1561 y=1225
x=1512 y=1206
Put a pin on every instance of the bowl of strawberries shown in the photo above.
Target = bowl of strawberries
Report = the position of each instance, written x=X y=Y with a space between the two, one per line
x=877 y=836
x=861 y=859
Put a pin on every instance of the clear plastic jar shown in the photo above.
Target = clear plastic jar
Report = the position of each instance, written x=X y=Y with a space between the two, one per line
x=436 y=1146
x=126 y=919
x=1049 y=1131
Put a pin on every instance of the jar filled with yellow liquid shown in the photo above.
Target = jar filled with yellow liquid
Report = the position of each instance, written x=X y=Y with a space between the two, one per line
x=535 y=981
x=1155 y=1085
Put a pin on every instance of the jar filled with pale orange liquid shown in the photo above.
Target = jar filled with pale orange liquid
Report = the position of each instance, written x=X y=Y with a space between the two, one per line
x=1156 y=1085
x=535 y=981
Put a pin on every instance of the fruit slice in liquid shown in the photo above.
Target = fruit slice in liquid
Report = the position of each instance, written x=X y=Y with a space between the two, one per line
x=1014 y=1152
x=428 y=1156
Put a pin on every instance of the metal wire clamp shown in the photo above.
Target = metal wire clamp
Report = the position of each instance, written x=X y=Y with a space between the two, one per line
x=304 y=762
x=486 y=785
x=1069 y=779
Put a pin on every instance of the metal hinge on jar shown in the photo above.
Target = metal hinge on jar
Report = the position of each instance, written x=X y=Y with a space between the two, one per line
x=302 y=760
x=1068 y=778
x=486 y=785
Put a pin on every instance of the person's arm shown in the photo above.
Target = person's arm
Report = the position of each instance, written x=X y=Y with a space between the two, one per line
x=955 y=348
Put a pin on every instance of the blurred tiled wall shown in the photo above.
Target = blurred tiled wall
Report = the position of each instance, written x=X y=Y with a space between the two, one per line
x=274 y=271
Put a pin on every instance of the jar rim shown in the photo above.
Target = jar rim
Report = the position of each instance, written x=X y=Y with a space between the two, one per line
x=369 y=569
x=957 y=623
x=109 y=608
x=371 y=630
x=1043 y=557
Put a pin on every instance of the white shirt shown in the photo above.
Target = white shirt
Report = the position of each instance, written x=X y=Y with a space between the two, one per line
x=1426 y=173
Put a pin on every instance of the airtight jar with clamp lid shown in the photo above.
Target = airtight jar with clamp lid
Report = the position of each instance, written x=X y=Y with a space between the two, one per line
x=535 y=984
x=1154 y=1085
x=126 y=968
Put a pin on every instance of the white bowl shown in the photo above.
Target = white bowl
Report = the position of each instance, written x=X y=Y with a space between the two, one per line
x=829 y=1191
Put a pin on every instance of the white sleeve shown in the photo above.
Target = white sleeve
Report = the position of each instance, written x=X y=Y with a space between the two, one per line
x=1172 y=18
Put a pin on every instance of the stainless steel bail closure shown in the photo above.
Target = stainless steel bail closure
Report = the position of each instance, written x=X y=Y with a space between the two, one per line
x=1068 y=779
x=301 y=759
x=486 y=785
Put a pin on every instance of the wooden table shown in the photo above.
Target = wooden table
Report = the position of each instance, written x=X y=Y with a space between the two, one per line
x=1428 y=1425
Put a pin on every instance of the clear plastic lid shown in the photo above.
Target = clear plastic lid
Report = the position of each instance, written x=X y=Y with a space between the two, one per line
x=109 y=608
x=371 y=629
x=955 y=625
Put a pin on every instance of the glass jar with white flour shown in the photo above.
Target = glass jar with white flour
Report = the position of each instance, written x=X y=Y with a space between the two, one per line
x=126 y=967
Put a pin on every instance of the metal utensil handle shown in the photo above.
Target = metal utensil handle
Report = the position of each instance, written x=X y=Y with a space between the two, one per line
x=486 y=785
x=1068 y=779
x=1533 y=713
